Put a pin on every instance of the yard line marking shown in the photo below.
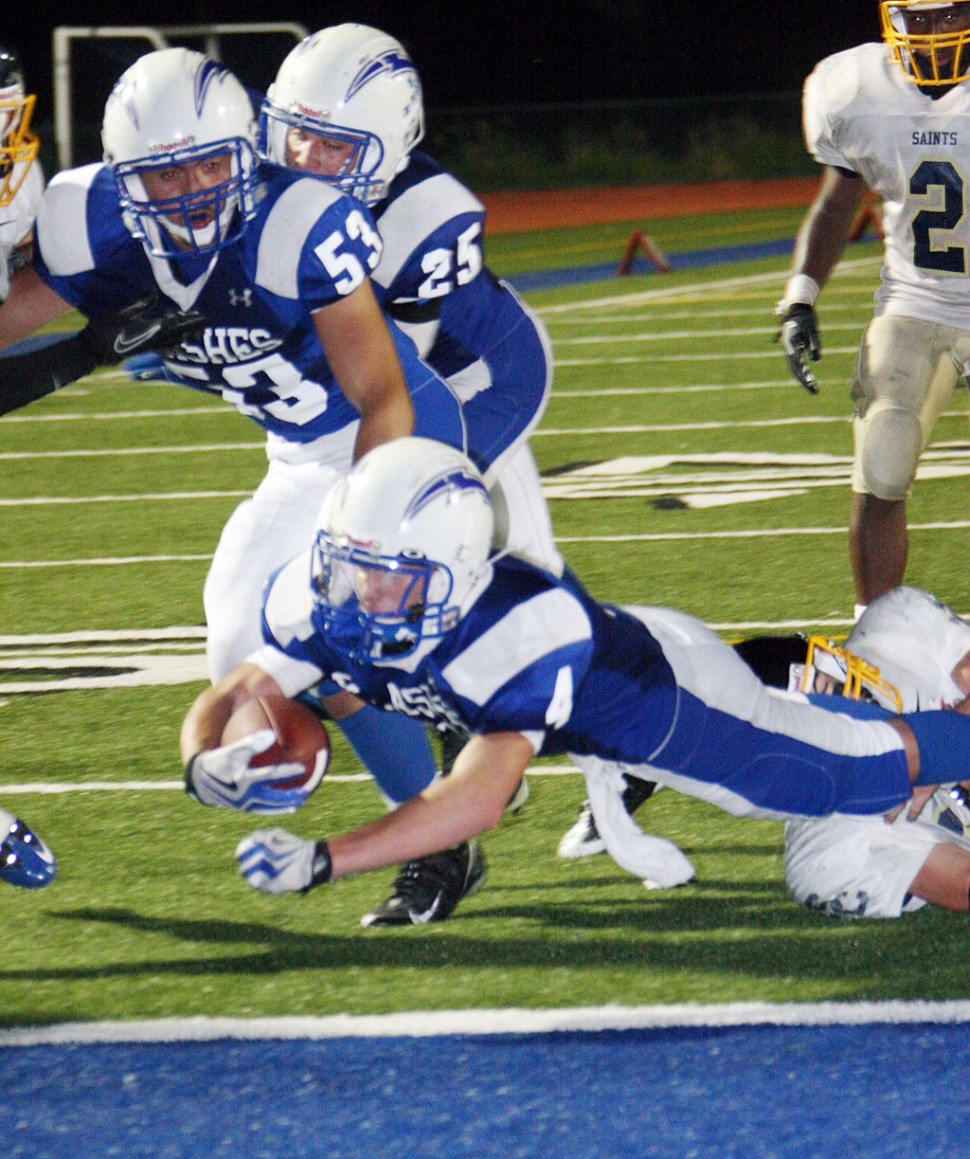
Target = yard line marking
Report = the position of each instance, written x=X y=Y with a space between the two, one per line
x=108 y=416
x=106 y=561
x=852 y=267
x=53 y=500
x=752 y=533
x=50 y=788
x=648 y=390
x=120 y=561
x=195 y=632
x=706 y=356
x=658 y=428
x=105 y=453
x=681 y=335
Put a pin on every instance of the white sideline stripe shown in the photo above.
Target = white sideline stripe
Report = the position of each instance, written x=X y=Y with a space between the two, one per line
x=49 y=788
x=436 y=1023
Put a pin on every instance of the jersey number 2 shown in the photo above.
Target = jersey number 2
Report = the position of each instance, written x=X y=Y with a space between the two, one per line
x=930 y=251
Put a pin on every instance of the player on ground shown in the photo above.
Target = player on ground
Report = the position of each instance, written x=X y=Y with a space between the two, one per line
x=862 y=866
x=347 y=106
x=402 y=603
x=908 y=652
x=278 y=266
x=891 y=118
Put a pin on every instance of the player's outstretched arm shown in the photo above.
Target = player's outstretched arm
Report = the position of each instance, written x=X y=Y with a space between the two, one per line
x=362 y=355
x=455 y=809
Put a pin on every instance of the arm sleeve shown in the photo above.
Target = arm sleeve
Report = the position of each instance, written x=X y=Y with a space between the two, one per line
x=29 y=376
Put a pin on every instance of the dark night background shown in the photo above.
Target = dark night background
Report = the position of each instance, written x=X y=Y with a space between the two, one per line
x=499 y=52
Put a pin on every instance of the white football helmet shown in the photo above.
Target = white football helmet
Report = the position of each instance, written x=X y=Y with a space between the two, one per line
x=18 y=145
x=930 y=39
x=915 y=641
x=404 y=541
x=171 y=108
x=348 y=83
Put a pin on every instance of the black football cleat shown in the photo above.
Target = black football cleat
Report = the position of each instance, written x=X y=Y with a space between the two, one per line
x=427 y=889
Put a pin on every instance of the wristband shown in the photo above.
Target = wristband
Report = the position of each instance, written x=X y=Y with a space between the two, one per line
x=189 y=783
x=322 y=866
x=801 y=288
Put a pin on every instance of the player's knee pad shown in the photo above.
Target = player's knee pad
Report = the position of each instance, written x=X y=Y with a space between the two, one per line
x=890 y=450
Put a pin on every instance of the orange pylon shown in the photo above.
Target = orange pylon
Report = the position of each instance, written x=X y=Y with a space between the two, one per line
x=638 y=240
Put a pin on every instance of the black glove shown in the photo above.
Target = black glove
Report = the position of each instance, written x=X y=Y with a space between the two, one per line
x=132 y=330
x=800 y=337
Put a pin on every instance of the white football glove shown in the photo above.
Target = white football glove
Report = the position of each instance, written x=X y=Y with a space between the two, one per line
x=223 y=777
x=275 y=861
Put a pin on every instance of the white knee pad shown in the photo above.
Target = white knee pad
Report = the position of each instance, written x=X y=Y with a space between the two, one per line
x=891 y=441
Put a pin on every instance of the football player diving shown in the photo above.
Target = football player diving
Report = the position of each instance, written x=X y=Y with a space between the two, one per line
x=402 y=602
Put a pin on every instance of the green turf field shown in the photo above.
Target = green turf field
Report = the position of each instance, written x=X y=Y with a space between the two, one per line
x=683 y=468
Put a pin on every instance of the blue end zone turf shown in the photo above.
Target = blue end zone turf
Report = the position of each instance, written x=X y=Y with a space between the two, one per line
x=874 y=1090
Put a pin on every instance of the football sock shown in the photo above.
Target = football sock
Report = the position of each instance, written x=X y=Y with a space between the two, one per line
x=393 y=748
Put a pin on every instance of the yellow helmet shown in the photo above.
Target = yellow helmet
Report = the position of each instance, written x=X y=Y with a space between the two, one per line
x=18 y=145
x=929 y=38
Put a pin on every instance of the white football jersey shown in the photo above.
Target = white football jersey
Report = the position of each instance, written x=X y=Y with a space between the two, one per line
x=17 y=220
x=861 y=113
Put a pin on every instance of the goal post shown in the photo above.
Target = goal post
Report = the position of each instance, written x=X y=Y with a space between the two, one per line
x=211 y=38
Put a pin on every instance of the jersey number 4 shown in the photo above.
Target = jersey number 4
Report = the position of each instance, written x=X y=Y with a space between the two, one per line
x=936 y=182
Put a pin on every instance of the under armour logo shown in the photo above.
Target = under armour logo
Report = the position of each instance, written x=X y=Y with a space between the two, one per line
x=241 y=297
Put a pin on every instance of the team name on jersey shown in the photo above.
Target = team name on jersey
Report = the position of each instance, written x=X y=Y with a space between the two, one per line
x=424 y=700
x=225 y=345
x=934 y=138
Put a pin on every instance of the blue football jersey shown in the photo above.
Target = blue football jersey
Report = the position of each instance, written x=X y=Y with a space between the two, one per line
x=488 y=343
x=307 y=246
x=539 y=656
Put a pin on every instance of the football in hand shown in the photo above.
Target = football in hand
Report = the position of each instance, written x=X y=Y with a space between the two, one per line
x=300 y=734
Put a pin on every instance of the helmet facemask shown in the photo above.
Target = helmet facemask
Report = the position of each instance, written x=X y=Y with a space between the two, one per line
x=18 y=145
x=348 y=83
x=380 y=606
x=165 y=224
x=357 y=176
x=929 y=40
